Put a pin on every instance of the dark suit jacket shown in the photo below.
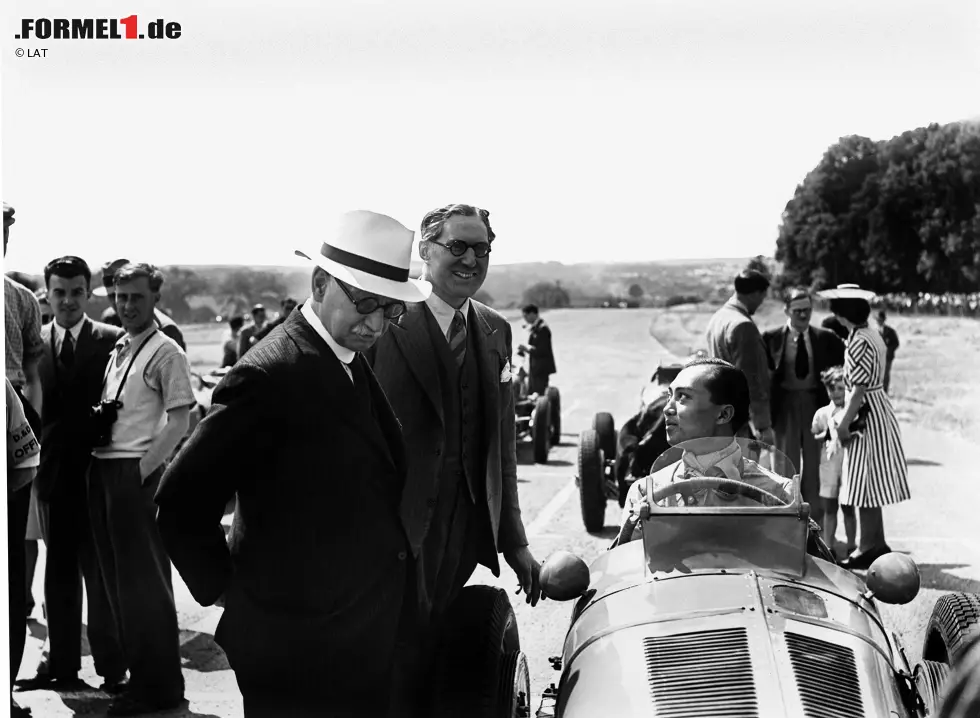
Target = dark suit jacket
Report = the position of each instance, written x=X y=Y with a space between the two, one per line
x=542 y=356
x=406 y=366
x=828 y=351
x=315 y=568
x=68 y=396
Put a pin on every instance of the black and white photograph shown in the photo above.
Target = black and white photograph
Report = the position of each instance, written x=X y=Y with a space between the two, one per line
x=375 y=359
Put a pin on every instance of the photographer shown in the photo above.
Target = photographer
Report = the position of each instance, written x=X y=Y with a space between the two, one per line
x=144 y=412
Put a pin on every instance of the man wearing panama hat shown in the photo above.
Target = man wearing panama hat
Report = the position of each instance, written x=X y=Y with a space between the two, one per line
x=317 y=576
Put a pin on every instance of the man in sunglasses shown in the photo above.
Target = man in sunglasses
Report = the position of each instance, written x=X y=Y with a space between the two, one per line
x=317 y=577
x=445 y=367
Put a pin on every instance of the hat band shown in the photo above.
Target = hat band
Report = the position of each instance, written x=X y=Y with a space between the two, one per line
x=371 y=266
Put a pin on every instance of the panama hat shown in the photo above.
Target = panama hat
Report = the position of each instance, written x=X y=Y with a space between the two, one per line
x=847 y=291
x=372 y=252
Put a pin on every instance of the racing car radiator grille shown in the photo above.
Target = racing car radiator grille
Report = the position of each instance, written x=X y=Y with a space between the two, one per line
x=707 y=674
x=826 y=676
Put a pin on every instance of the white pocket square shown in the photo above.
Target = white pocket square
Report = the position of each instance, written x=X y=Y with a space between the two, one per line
x=505 y=374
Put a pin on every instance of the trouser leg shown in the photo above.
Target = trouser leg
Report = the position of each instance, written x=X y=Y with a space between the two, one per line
x=62 y=585
x=871 y=528
x=137 y=574
x=18 y=504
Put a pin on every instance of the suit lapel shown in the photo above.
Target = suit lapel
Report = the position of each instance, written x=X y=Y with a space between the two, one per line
x=489 y=371
x=818 y=356
x=336 y=383
x=781 y=347
x=411 y=336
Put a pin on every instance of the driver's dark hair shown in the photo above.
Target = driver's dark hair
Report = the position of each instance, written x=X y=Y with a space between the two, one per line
x=726 y=384
x=750 y=281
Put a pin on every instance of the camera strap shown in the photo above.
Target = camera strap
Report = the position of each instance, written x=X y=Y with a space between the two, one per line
x=112 y=360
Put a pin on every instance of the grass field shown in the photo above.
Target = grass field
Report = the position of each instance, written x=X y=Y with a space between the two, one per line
x=932 y=385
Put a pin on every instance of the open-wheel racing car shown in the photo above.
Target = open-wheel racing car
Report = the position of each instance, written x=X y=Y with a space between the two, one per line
x=538 y=416
x=709 y=609
x=608 y=463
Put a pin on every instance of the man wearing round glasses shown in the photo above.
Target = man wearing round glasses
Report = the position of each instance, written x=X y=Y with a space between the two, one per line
x=317 y=578
x=446 y=369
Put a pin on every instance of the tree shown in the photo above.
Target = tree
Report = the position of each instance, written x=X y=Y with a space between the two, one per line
x=546 y=295
x=243 y=288
x=636 y=291
x=179 y=284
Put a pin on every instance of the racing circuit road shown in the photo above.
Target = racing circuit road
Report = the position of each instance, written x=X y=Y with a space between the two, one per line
x=604 y=357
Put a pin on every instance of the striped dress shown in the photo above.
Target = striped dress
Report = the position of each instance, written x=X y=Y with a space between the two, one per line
x=874 y=472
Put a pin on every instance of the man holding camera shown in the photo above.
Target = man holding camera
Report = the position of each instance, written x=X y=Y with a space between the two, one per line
x=143 y=413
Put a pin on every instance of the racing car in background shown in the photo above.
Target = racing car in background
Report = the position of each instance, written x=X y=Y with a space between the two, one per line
x=608 y=462
x=718 y=609
x=538 y=416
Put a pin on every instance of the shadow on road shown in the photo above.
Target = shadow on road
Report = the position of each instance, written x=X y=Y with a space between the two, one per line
x=202 y=654
x=607 y=532
x=937 y=576
x=921 y=462
x=97 y=707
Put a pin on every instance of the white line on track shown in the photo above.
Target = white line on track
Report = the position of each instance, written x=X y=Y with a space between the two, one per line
x=548 y=512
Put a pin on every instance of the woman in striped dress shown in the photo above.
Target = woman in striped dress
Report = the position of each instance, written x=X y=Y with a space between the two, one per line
x=874 y=473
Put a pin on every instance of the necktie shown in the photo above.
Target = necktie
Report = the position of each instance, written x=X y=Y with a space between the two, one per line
x=457 y=338
x=802 y=358
x=67 y=355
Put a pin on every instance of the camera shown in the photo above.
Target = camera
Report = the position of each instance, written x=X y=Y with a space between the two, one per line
x=102 y=417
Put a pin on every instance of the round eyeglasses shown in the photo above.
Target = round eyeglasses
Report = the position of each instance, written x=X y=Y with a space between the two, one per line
x=369 y=305
x=458 y=247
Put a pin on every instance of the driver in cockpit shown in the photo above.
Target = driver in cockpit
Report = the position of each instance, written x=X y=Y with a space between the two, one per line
x=708 y=404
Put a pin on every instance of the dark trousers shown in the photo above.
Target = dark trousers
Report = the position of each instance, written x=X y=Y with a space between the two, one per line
x=793 y=438
x=67 y=533
x=137 y=574
x=537 y=383
x=18 y=504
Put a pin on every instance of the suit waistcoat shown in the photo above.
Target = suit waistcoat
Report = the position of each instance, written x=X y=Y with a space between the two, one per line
x=462 y=401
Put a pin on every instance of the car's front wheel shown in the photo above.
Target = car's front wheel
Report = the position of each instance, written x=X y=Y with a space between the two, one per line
x=480 y=670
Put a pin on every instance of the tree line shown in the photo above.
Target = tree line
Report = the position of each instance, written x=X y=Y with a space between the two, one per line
x=895 y=216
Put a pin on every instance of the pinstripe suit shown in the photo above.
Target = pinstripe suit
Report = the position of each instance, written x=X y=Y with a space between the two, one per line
x=315 y=572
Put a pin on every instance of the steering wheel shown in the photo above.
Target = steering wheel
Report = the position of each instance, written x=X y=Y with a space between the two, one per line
x=687 y=487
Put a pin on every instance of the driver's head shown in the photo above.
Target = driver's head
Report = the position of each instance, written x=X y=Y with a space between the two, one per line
x=709 y=398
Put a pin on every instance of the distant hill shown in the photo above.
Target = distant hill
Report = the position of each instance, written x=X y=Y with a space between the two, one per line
x=588 y=284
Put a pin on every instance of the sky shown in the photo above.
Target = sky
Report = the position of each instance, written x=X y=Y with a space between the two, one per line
x=612 y=130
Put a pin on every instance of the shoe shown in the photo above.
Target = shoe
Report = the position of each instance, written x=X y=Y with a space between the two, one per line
x=131 y=704
x=114 y=686
x=47 y=682
x=862 y=561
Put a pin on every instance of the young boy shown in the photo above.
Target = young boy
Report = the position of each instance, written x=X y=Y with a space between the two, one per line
x=825 y=422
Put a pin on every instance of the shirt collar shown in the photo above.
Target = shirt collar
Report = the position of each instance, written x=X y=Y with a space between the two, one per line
x=737 y=303
x=444 y=313
x=75 y=330
x=343 y=353
x=126 y=339
x=727 y=459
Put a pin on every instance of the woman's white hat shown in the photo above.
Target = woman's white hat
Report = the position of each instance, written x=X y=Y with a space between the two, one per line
x=372 y=252
x=847 y=291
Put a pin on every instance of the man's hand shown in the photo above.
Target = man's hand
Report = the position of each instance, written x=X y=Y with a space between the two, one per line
x=527 y=570
x=766 y=436
x=843 y=434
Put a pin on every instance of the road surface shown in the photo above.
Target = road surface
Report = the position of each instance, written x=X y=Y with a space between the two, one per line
x=601 y=369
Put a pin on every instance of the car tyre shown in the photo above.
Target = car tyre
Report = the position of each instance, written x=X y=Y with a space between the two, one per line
x=541 y=430
x=955 y=618
x=592 y=491
x=515 y=686
x=930 y=676
x=603 y=423
x=476 y=670
x=554 y=397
